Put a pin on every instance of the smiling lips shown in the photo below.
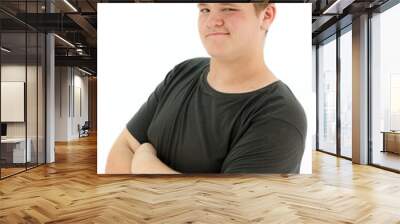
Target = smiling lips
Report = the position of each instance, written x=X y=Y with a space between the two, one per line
x=217 y=34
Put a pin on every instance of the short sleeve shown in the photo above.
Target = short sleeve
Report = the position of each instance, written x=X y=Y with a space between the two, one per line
x=267 y=146
x=140 y=122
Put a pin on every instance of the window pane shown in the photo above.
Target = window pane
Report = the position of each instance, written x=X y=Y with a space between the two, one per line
x=386 y=89
x=327 y=96
x=346 y=94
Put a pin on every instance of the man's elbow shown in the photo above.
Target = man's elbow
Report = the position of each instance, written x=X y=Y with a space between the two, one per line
x=119 y=161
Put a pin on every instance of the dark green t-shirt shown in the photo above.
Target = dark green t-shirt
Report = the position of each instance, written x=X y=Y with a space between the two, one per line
x=197 y=129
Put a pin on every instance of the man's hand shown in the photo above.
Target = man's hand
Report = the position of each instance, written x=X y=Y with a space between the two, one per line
x=145 y=161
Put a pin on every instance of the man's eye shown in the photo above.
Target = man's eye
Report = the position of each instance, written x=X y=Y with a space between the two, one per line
x=204 y=10
x=228 y=9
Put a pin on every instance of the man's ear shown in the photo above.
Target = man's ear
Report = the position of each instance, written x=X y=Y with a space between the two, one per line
x=267 y=16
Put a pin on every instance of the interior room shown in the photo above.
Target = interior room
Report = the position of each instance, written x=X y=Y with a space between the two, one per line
x=48 y=150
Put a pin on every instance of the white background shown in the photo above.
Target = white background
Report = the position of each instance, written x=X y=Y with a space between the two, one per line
x=138 y=44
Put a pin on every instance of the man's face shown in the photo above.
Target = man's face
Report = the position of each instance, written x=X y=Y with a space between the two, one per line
x=229 y=29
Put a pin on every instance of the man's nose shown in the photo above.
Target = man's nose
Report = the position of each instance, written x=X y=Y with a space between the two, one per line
x=214 y=19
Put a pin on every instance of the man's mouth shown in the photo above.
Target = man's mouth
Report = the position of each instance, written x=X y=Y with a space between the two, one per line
x=217 y=34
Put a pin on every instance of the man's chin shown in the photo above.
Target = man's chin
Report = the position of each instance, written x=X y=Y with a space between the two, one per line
x=218 y=54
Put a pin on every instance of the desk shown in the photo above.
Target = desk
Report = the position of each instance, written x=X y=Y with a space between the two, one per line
x=15 y=148
x=391 y=141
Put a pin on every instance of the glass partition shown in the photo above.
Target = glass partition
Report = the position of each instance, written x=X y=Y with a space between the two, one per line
x=13 y=110
x=22 y=67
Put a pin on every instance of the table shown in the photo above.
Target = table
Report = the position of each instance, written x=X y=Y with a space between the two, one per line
x=15 y=148
x=391 y=141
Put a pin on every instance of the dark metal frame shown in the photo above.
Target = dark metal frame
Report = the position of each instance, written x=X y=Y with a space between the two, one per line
x=369 y=90
x=338 y=98
x=317 y=96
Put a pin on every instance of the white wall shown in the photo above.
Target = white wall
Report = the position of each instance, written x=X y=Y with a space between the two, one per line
x=68 y=82
x=15 y=72
x=61 y=103
x=80 y=84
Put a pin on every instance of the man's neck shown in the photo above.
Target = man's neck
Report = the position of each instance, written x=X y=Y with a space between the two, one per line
x=239 y=75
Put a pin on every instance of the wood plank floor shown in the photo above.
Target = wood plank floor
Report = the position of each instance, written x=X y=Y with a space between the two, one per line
x=10 y=171
x=70 y=191
x=388 y=159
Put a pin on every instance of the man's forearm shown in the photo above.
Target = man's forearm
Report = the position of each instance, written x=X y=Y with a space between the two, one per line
x=145 y=161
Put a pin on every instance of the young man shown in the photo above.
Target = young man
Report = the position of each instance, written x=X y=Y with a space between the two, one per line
x=227 y=114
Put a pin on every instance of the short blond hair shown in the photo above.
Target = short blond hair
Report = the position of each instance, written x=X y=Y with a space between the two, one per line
x=260 y=5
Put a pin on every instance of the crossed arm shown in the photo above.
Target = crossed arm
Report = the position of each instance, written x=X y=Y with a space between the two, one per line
x=128 y=156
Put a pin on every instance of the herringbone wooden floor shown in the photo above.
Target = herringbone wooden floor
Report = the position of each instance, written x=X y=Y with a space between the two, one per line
x=70 y=191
